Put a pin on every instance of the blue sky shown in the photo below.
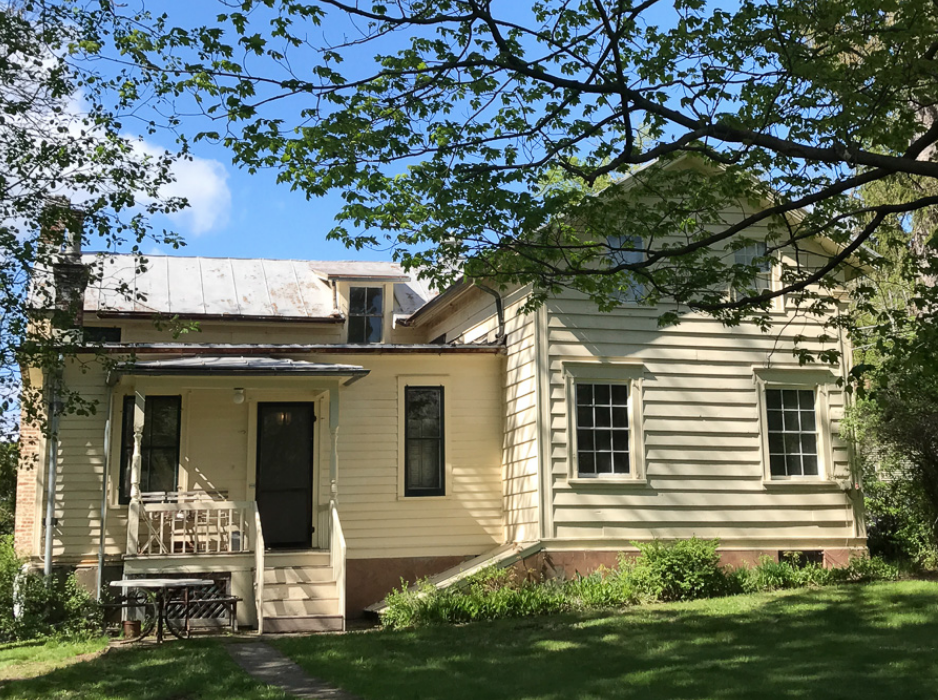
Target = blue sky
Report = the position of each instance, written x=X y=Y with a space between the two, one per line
x=237 y=214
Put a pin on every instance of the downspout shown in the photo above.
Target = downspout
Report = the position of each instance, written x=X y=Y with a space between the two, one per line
x=104 y=481
x=54 y=410
x=499 y=312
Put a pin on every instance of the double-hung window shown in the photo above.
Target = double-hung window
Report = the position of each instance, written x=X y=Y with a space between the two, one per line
x=159 y=450
x=627 y=250
x=755 y=255
x=795 y=423
x=365 y=315
x=602 y=429
x=791 y=423
x=605 y=420
x=424 y=464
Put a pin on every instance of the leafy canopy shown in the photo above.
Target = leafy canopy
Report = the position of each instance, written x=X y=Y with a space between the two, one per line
x=61 y=140
x=440 y=120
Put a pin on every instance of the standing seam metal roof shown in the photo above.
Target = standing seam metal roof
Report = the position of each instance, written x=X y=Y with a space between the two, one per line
x=242 y=287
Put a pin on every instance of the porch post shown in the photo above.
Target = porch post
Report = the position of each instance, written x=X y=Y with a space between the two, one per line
x=133 y=510
x=334 y=454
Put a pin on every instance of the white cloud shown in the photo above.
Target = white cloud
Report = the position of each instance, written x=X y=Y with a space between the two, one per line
x=202 y=181
x=204 y=184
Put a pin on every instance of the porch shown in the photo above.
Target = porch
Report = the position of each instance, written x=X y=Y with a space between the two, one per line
x=259 y=505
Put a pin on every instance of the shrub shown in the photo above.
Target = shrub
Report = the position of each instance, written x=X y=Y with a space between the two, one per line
x=58 y=607
x=604 y=588
x=678 y=570
x=865 y=570
x=488 y=595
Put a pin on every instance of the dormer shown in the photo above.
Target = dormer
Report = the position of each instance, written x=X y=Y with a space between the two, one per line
x=365 y=296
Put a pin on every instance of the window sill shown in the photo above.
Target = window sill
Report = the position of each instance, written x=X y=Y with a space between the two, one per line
x=798 y=483
x=606 y=481
x=444 y=497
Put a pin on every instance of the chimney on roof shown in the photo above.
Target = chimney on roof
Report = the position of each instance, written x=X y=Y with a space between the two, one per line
x=60 y=238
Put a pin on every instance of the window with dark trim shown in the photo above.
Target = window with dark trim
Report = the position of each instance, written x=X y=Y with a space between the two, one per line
x=602 y=429
x=159 y=451
x=423 y=441
x=365 y=315
x=100 y=334
x=792 y=432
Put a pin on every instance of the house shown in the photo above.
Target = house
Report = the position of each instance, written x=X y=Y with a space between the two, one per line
x=333 y=427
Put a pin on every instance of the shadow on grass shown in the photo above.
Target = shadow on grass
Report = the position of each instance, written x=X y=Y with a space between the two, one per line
x=192 y=670
x=851 y=642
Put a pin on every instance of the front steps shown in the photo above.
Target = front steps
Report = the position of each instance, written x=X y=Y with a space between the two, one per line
x=300 y=593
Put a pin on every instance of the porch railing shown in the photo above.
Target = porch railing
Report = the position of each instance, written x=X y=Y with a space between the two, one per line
x=337 y=551
x=197 y=527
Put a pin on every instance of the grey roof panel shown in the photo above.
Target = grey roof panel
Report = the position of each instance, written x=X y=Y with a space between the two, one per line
x=184 y=296
x=195 y=286
x=228 y=364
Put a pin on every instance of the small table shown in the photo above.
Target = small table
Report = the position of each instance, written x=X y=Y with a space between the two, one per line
x=161 y=585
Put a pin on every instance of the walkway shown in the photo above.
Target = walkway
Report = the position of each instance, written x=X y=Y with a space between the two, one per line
x=269 y=666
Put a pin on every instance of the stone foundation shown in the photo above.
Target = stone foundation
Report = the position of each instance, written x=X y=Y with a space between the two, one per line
x=550 y=564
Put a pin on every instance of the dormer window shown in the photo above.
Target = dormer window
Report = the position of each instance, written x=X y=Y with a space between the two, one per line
x=365 y=315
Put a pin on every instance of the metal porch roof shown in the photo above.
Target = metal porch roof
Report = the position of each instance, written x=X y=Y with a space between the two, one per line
x=228 y=365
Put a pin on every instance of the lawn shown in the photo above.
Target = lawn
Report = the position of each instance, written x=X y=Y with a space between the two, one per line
x=28 y=659
x=871 y=641
x=192 y=670
x=849 y=642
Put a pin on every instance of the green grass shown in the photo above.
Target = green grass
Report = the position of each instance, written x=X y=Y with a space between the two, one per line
x=875 y=641
x=191 y=670
x=27 y=659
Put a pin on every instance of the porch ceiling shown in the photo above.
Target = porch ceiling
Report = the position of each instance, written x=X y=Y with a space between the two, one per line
x=228 y=365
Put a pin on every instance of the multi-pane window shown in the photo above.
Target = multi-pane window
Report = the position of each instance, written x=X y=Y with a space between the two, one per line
x=792 y=432
x=755 y=254
x=365 y=314
x=159 y=450
x=423 y=441
x=602 y=429
x=627 y=250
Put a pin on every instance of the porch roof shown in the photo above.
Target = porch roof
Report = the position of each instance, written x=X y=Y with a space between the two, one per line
x=216 y=365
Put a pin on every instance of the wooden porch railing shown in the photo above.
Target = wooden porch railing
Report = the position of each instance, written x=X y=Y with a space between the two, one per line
x=197 y=527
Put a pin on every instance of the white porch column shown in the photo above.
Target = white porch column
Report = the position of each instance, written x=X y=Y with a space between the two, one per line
x=133 y=510
x=334 y=451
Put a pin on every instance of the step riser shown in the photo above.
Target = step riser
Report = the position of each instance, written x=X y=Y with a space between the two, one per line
x=299 y=608
x=300 y=591
x=304 y=624
x=285 y=559
x=299 y=575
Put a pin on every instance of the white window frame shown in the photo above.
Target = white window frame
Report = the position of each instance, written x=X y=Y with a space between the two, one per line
x=624 y=371
x=797 y=378
x=634 y=295
x=777 y=304
x=421 y=380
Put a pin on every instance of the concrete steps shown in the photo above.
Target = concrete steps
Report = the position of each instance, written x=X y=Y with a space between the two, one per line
x=300 y=593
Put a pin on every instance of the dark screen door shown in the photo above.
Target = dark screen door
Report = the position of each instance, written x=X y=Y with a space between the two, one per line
x=285 y=473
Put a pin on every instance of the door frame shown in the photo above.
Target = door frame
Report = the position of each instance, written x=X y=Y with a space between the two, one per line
x=255 y=420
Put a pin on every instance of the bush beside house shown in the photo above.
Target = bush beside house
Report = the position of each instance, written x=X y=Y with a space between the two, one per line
x=662 y=572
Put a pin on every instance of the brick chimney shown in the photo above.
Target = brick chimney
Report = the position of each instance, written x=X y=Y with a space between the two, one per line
x=61 y=235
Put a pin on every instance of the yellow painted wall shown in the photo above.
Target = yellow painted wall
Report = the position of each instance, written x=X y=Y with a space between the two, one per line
x=216 y=447
x=701 y=432
x=378 y=521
